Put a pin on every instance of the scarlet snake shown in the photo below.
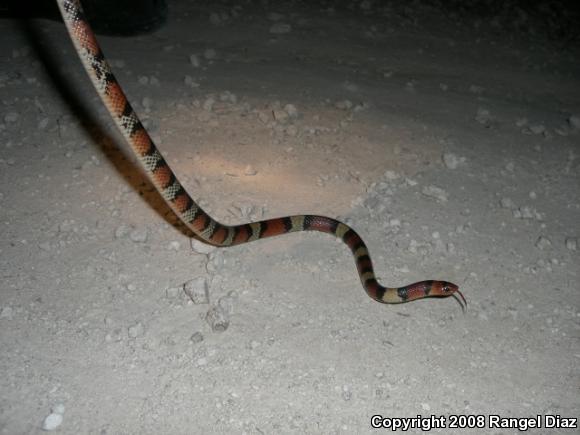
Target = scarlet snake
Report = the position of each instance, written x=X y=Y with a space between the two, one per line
x=192 y=215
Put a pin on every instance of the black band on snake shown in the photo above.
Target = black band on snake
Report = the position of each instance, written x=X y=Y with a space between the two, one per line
x=192 y=215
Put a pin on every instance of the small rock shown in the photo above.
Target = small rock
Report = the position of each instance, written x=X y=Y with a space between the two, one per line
x=343 y=105
x=537 y=129
x=574 y=121
x=507 y=203
x=543 y=243
x=189 y=81
x=43 y=123
x=11 y=117
x=197 y=289
x=139 y=235
x=227 y=302
x=483 y=116
x=208 y=104
x=571 y=244
x=291 y=131
x=521 y=122
x=174 y=245
x=435 y=192
x=210 y=54
x=280 y=28
x=280 y=115
x=524 y=213
x=52 y=421
x=451 y=160
x=215 y=19
x=475 y=89
x=196 y=337
x=194 y=60
x=147 y=103
x=58 y=408
x=250 y=171
x=136 y=330
x=263 y=117
x=217 y=319
x=172 y=292
x=291 y=110
x=6 y=313
x=201 y=247
x=216 y=262
x=275 y=16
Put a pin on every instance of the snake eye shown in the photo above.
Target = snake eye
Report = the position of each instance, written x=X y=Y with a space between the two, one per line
x=446 y=288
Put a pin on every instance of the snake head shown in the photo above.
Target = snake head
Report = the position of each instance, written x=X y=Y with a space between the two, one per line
x=445 y=288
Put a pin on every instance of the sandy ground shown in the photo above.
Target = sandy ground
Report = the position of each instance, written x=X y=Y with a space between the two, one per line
x=453 y=150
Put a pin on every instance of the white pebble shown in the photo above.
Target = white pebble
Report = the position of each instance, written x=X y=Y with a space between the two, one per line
x=227 y=302
x=543 y=243
x=280 y=28
x=483 y=116
x=574 y=121
x=215 y=19
x=521 y=122
x=6 y=313
x=210 y=54
x=216 y=260
x=395 y=222
x=343 y=105
x=451 y=160
x=250 y=171
x=280 y=115
x=147 y=103
x=139 y=235
x=196 y=337
x=11 y=117
x=218 y=319
x=201 y=247
x=435 y=192
x=52 y=421
x=172 y=292
x=291 y=131
x=189 y=81
x=174 y=245
x=291 y=110
x=197 y=290
x=507 y=203
x=572 y=243
x=58 y=409
x=136 y=330
x=208 y=104
x=537 y=129
x=122 y=231
x=43 y=123
x=275 y=16
x=194 y=60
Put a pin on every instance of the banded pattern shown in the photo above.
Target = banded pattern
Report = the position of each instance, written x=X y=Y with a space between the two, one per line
x=192 y=215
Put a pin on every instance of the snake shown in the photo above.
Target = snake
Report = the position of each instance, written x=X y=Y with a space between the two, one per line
x=205 y=227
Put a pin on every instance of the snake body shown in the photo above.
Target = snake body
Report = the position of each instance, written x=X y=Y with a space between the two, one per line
x=193 y=216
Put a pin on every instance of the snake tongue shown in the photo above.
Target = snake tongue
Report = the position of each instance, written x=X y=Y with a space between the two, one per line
x=464 y=304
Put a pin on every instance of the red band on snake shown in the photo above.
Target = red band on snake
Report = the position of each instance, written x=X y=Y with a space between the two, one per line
x=193 y=216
